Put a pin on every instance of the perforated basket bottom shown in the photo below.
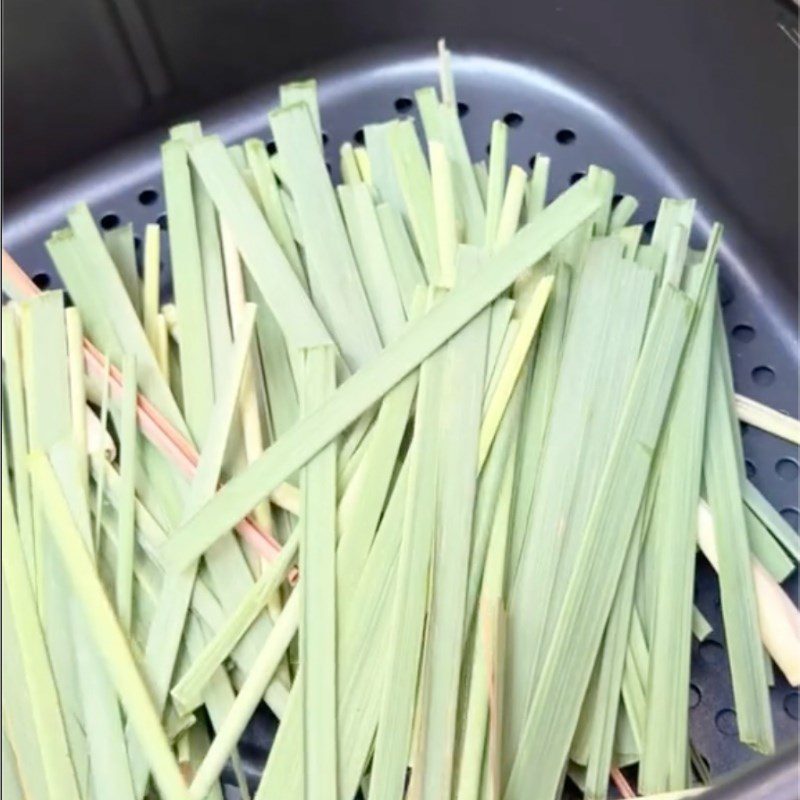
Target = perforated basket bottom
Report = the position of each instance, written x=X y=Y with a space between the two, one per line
x=572 y=125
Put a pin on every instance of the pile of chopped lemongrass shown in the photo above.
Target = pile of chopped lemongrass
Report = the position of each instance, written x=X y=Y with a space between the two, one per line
x=422 y=461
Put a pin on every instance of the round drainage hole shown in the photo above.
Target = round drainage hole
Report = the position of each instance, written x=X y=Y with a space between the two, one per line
x=358 y=136
x=744 y=333
x=109 y=221
x=750 y=468
x=695 y=695
x=42 y=280
x=565 y=136
x=712 y=652
x=763 y=376
x=726 y=722
x=791 y=703
x=786 y=468
x=513 y=119
x=148 y=196
x=403 y=104
x=791 y=515
x=463 y=109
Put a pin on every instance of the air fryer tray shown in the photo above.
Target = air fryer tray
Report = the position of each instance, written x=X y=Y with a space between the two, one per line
x=576 y=126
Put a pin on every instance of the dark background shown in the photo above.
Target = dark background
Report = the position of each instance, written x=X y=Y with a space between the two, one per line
x=718 y=77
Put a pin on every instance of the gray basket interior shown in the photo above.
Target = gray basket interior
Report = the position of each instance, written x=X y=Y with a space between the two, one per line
x=576 y=126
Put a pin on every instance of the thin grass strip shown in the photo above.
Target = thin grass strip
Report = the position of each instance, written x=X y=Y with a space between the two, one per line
x=318 y=591
x=536 y=192
x=105 y=399
x=622 y=213
x=363 y=389
x=405 y=264
x=79 y=412
x=589 y=594
x=529 y=324
x=512 y=205
x=495 y=188
x=106 y=633
x=121 y=246
x=16 y=416
x=348 y=165
x=263 y=256
x=767 y=419
x=723 y=479
x=333 y=277
x=46 y=712
x=151 y=285
x=393 y=737
x=444 y=210
x=126 y=503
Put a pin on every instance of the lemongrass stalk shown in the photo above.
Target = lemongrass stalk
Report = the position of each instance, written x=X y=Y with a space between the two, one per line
x=701 y=627
x=251 y=422
x=779 y=620
x=766 y=548
x=126 y=502
x=622 y=214
x=348 y=165
x=495 y=189
x=405 y=264
x=107 y=635
x=672 y=214
x=446 y=74
x=80 y=413
x=364 y=165
x=414 y=179
x=11 y=780
x=529 y=323
x=428 y=104
x=631 y=236
x=362 y=390
x=372 y=260
x=536 y=193
x=162 y=345
x=262 y=255
x=100 y=486
x=767 y=419
x=723 y=480
x=384 y=177
x=151 y=283
x=589 y=593
x=481 y=175
x=318 y=591
x=121 y=247
x=511 y=209
x=188 y=692
x=250 y=695
x=499 y=337
x=303 y=92
x=456 y=486
x=393 y=737
x=195 y=349
x=16 y=414
x=332 y=273
x=444 y=211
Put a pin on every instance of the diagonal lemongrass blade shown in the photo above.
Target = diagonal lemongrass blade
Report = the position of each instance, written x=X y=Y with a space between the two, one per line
x=723 y=480
x=772 y=520
x=495 y=189
x=529 y=324
x=766 y=548
x=363 y=389
x=317 y=586
x=672 y=529
x=270 y=198
x=125 y=506
x=151 y=287
x=348 y=165
x=414 y=179
x=372 y=260
x=498 y=336
x=384 y=177
x=779 y=619
x=364 y=165
x=405 y=264
x=82 y=417
x=536 y=192
x=444 y=212
x=187 y=277
x=621 y=214
x=767 y=419
x=105 y=631
x=446 y=83
x=393 y=737
x=302 y=92
x=121 y=247
x=47 y=721
x=105 y=398
x=263 y=256
x=16 y=415
x=589 y=594
x=333 y=278
x=511 y=209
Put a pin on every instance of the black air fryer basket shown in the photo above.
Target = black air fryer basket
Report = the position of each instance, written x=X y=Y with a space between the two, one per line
x=679 y=99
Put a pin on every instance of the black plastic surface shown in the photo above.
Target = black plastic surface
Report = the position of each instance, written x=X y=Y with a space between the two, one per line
x=608 y=129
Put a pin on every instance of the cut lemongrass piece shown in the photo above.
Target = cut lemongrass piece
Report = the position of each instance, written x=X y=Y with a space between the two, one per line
x=444 y=211
x=121 y=246
x=536 y=194
x=622 y=213
x=496 y=186
x=774 y=522
x=108 y=637
x=775 y=422
x=304 y=92
x=151 y=283
x=348 y=165
x=126 y=502
x=512 y=205
x=364 y=166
